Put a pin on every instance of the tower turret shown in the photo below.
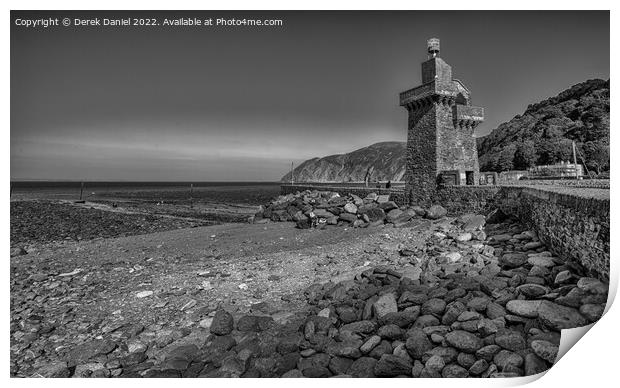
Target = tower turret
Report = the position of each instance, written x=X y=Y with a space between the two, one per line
x=441 y=147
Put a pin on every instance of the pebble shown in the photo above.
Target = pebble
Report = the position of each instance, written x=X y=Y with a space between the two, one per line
x=370 y=344
x=206 y=323
x=453 y=257
x=189 y=305
x=541 y=261
x=524 y=308
x=532 y=291
x=464 y=237
x=532 y=245
x=144 y=294
x=563 y=277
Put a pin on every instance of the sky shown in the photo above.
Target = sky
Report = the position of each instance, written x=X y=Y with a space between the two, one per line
x=240 y=103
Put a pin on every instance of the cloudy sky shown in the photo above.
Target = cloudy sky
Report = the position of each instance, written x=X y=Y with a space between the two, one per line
x=241 y=103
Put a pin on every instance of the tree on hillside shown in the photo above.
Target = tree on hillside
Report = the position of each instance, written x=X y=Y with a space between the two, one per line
x=564 y=150
x=596 y=154
x=506 y=157
x=525 y=155
x=551 y=151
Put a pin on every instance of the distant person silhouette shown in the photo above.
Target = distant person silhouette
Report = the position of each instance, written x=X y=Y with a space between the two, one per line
x=388 y=184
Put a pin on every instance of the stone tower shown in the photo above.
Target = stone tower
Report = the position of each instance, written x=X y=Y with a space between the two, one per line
x=441 y=147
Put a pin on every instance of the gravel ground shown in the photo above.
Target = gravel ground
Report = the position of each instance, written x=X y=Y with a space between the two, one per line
x=41 y=222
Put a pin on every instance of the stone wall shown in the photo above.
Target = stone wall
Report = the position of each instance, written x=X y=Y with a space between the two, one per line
x=575 y=227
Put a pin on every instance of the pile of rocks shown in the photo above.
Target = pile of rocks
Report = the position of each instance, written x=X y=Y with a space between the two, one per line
x=319 y=208
x=496 y=313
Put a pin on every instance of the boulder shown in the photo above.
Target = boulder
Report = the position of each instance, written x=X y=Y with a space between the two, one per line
x=383 y=198
x=513 y=260
x=387 y=206
x=390 y=365
x=417 y=343
x=322 y=213
x=420 y=211
x=436 y=212
x=375 y=214
x=534 y=365
x=363 y=367
x=393 y=215
x=593 y=286
x=475 y=222
x=558 y=317
x=464 y=341
x=384 y=305
x=350 y=208
x=545 y=350
x=222 y=323
x=348 y=217
x=53 y=369
x=510 y=340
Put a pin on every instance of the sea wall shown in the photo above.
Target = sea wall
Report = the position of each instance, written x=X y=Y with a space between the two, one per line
x=573 y=223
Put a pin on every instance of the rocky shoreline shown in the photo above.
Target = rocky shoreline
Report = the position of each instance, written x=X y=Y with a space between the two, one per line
x=469 y=299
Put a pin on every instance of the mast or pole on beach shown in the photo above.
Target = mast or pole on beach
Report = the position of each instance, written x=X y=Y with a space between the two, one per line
x=81 y=189
x=292 y=179
x=575 y=161
x=191 y=195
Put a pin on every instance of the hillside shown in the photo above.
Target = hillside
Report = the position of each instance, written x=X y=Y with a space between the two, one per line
x=543 y=134
x=380 y=161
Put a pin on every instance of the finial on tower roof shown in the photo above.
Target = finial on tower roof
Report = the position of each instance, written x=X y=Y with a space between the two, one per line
x=433 y=46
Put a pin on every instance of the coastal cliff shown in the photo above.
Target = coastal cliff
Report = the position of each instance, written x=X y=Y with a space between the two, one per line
x=381 y=161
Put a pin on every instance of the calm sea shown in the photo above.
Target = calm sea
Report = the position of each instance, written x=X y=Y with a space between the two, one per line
x=234 y=192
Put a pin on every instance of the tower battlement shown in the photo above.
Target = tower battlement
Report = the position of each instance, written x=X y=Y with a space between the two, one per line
x=441 y=147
